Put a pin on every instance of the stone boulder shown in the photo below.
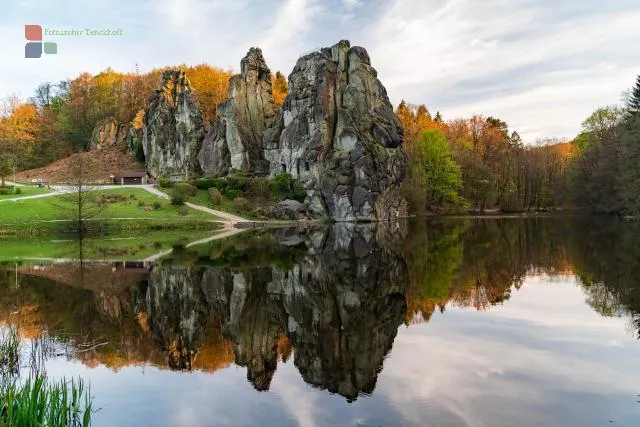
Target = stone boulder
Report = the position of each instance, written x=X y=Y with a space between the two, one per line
x=108 y=132
x=337 y=133
x=291 y=209
x=235 y=140
x=173 y=128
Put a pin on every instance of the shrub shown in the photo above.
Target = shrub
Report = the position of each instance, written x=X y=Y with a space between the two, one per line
x=230 y=193
x=5 y=190
x=216 y=196
x=283 y=186
x=188 y=189
x=259 y=188
x=299 y=193
x=241 y=204
x=237 y=181
x=164 y=183
x=18 y=190
x=207 y=183
x=156 y=205
x=183 y=211
x=141 y=204
x=179 y=195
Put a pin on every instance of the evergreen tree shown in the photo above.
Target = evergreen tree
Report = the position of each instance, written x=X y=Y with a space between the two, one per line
x=633 y=104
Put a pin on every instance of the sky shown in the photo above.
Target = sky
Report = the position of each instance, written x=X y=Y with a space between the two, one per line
x=542 y=66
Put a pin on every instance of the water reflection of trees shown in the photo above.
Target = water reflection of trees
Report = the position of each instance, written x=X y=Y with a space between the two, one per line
x=476 y=263
x=330 y=300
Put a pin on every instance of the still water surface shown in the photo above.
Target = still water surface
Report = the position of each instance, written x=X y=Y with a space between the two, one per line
x=530 y=322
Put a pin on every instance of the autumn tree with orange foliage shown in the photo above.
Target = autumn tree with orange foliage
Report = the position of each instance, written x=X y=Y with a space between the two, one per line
x=18 y=129
x=280 y=88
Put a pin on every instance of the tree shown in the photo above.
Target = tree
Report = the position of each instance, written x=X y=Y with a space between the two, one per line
x=280 y=88
x=515 y=140
x=210 y=86
x=432 y=168
x=630 y=170
x=43 y=95
x=6 y=167
x=633 y=103
x=600 y=122
x=83 y=203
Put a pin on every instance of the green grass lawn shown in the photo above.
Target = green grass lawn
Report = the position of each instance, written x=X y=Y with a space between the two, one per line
x=122 y=203
x=129 y=246
x=25 y=191
x=202 y=198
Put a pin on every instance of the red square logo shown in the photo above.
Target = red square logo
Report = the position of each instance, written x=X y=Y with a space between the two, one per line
x=33 y=32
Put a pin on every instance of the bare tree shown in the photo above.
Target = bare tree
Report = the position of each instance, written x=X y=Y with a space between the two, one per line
x=82 y=201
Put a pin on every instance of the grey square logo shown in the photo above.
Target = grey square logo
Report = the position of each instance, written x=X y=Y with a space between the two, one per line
x=33 y=50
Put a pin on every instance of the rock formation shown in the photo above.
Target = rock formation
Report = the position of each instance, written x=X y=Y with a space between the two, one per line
x=173 y=128
x=235 y=140
x=108 y=132
x=337 y=132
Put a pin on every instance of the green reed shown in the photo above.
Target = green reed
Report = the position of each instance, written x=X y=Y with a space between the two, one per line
x=37 y=401
x=9 y=352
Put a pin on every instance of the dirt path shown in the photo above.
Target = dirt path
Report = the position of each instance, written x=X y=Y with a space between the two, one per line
x=230 y=218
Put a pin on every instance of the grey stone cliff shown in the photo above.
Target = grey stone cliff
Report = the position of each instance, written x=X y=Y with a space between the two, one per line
x=235 y=140
x=338 y=133
x=173 y=128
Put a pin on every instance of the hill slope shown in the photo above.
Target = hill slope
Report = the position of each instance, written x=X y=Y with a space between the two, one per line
x=98 y=164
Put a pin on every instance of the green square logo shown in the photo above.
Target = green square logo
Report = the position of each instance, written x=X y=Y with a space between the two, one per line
x=50 y=48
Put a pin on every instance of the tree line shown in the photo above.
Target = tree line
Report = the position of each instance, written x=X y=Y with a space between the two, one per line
x=59 y=118
x=478 y=164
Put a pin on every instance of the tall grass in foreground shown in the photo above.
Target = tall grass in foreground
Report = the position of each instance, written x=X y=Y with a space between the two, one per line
x=9 y=353
x=37 y=401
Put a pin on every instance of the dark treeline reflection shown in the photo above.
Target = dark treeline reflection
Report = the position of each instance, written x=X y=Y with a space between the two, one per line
x=331 y=300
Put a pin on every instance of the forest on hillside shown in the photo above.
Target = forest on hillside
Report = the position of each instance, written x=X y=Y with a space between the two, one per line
x=456 y=165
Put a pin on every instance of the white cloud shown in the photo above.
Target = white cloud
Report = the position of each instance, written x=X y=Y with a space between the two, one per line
x=542 y=66
x=435 y=52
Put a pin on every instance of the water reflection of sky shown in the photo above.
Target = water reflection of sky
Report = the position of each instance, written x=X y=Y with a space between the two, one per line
x=543 y=358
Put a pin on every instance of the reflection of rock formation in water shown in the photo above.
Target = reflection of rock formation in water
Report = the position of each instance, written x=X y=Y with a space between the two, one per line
x=343 y=307
x=340 y=307
x=176 y=312
x=242 y=301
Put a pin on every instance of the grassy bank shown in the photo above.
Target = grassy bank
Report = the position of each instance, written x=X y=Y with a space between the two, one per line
x=23 y=191
x=126 y=209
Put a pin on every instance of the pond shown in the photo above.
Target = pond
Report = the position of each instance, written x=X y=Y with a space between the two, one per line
x=452 y=322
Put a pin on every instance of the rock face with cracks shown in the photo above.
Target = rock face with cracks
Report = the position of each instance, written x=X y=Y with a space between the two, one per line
x=173 y=128
x=108 y=132
x=337 y=132
x=234 y=142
